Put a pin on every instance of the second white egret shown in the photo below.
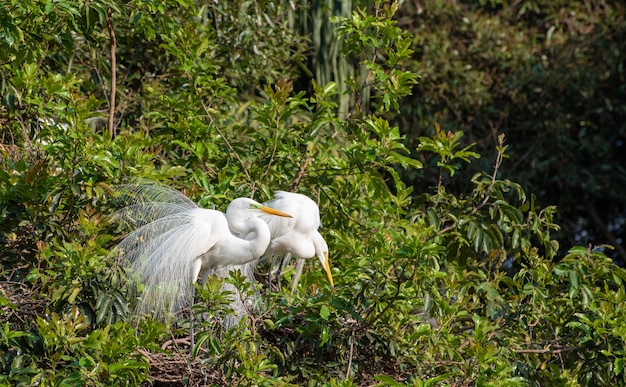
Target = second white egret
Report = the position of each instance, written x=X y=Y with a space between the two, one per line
x=299 y=235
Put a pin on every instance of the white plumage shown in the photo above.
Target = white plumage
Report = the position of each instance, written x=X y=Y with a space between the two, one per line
x=299 y=235
x=175 y=241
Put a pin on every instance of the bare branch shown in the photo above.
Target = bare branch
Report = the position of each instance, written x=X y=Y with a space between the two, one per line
x=551 y=351
x=300 y=174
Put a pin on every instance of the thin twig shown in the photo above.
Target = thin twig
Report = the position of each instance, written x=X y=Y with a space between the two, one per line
x=496 y=167
x=597 y=219
x=532 y=325
x=269 y=164
x=350 y=356
x=170 y=342
x=113 y=75
x=230 y=147
x=345 y=213
x=556 y=339
x=393 y=299
x=14 y=283
x=301 y=174
x=549 y=350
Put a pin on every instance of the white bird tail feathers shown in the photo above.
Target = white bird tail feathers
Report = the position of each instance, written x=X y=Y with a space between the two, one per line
x=156 y=251
x=162 y=250
x=161 y=257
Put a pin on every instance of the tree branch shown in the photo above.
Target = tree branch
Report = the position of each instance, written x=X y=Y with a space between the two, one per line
x=550 y=351
x=300 y=174
x=390 y=302
x=113 y=75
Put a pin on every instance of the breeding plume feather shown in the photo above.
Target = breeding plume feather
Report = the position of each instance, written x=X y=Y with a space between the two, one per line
x=174 y=241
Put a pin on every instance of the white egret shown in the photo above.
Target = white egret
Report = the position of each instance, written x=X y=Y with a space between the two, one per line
x=296 y=236
x=176 y=241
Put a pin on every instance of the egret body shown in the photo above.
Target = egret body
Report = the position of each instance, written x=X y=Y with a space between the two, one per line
x=299 y=235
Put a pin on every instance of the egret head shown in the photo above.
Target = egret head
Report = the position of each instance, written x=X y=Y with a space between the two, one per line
x=244 y=208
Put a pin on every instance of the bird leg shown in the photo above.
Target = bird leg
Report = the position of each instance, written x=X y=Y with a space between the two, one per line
x=270 y=273
x=191 y=323
x=297 y=275
x=279 y=273
x=284 y=261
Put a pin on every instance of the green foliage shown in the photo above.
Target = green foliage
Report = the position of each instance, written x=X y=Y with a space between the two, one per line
x=64 y=351
x=373 y=38
x=434 y=285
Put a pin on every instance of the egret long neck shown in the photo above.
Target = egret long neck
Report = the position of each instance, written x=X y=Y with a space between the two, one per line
x=254 y=247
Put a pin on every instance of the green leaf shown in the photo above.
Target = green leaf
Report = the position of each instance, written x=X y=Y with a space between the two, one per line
x=574 y=278
x=578 y=250
x=324 y=312
x=388 y=381
x=618 y=365
x=405 y=161
x=433 y=218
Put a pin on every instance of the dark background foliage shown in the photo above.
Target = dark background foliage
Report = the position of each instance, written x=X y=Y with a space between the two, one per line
x=548 y=74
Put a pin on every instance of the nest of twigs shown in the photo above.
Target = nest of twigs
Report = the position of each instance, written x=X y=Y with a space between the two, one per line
x=26 y=301
x=180 y=369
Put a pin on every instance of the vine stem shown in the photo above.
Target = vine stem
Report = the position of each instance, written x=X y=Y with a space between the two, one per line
x=549 y=350
x=349 y=370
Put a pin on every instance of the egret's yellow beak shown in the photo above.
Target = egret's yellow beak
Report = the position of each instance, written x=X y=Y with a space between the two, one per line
x=326 y=264
x=273 y=211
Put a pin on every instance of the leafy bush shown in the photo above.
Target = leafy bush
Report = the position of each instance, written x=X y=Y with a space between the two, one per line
x=64 y=351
